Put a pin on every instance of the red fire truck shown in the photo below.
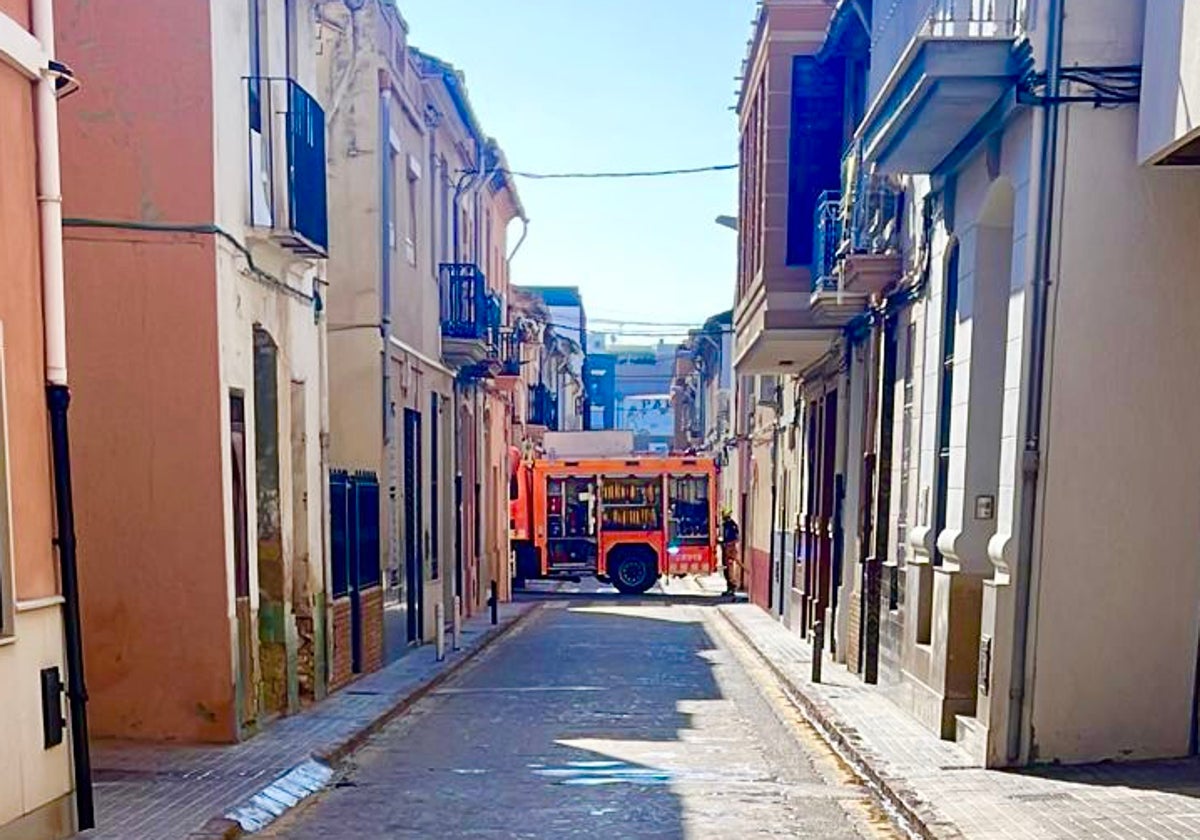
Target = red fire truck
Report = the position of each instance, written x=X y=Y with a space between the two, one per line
x=624 y=520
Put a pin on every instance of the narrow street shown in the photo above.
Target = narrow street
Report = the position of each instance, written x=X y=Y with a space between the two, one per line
x=599 y=718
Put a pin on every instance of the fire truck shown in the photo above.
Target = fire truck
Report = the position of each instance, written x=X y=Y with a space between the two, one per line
x=624 y=520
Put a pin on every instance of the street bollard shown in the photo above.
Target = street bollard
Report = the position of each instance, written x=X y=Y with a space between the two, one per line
x=494 y=602
x=457 y=641
x=439 y=619
x=818 y=649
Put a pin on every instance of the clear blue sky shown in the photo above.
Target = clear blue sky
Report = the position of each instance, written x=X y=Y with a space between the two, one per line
x=607 y=85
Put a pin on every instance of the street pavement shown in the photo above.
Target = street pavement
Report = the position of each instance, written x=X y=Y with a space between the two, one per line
x=599 y=718
x=152 y=791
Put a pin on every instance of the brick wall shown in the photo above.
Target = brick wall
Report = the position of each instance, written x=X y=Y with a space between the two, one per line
x=372 y=629
x=340 y=670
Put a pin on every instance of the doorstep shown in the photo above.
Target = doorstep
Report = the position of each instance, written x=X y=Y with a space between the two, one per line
x=173 y=792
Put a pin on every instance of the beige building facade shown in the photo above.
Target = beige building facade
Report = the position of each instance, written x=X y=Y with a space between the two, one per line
x=992 y=362
x=420 y=208
x=392 y=397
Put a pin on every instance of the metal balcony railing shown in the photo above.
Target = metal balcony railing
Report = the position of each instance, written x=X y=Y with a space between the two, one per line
x=508 y=351
x=871 y=208
x=286 y=157
x=465 y=304
x=897 y=23
x=827 y=236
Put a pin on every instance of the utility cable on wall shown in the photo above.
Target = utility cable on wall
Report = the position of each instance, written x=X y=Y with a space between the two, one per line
x=204 y=228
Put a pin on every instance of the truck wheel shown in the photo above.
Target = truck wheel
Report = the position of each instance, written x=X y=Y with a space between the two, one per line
x=634 y=572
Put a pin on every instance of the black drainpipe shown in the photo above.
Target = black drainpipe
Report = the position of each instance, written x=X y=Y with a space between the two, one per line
x=58 y=398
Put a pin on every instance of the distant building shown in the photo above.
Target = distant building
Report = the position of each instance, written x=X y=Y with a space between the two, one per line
x=703 y=387
x=600 y=379
x=558 y=399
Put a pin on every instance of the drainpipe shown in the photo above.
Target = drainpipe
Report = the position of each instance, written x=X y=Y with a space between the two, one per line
x=385 y=247
x=1035 y=376
x=386 y=215
x=58 y=399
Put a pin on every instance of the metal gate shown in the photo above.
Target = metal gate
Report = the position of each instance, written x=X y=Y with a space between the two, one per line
x=354 y=536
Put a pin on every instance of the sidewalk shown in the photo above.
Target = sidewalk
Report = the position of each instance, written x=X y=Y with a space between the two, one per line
x=942 y=793
x=160 y=792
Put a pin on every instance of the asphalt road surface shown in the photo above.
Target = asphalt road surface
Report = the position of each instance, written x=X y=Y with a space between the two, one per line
x=599 y=719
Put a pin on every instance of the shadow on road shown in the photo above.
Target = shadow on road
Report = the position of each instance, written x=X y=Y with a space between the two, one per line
x=571 y=728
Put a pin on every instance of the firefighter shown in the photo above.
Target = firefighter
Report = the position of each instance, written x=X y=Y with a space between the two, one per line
x=730 y=537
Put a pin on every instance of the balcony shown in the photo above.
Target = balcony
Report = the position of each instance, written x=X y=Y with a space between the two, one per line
x=506 y=353
x=870 y=249
x=949 y=73
x=286 y=156
x=829 y=303
x=470 y=315
x=775 y=328
x=856 y=241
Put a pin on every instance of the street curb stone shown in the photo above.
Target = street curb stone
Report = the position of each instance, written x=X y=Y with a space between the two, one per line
x=226 y=826
x=919 y=816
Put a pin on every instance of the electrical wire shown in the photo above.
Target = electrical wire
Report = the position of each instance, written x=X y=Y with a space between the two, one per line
x=648 y=173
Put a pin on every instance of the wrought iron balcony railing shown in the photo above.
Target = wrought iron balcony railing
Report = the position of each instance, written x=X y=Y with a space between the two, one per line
x=508 y=351
x=899 y=22
x=827 y=236
x=871 y=208
x=466 y=307
x=286 y=157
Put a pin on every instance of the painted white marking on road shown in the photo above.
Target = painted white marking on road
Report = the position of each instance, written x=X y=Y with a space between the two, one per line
x=284 y=793
x=520 y=689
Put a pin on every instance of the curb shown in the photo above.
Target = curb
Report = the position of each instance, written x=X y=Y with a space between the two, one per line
x=335 y=755
x=917 y=816
x=272 y=806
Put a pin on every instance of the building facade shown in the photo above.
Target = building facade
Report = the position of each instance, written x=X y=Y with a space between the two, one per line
x=940 y=406
x=44 y=789
x=560 y=395
x=391 y=396
x=195 y=296
x=477 y=205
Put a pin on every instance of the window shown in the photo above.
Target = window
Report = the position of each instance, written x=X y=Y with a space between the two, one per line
x=410 y=238
x=391 y=198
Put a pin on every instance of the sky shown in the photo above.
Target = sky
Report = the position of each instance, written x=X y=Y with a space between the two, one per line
x=600 y=86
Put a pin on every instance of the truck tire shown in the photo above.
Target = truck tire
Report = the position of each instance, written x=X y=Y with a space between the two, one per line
x=633 y=570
